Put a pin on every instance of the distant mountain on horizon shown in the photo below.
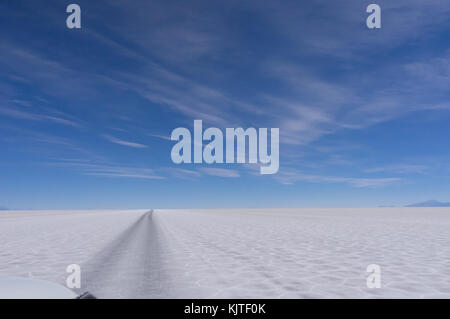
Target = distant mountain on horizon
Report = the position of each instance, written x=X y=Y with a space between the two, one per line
x=430 y=203
x=3 y=208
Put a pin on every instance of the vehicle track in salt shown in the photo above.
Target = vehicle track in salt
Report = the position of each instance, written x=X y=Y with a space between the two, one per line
x=129 y=266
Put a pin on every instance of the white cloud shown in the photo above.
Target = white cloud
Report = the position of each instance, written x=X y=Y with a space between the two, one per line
x=184 y=173
x=400 y=169
x=220 y=172
x=293 y=176
x=123 y=142
x=107 y=170
x=25 y=115
x=162 y=137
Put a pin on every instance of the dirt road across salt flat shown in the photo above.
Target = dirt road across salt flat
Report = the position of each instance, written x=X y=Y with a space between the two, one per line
x=276 y=253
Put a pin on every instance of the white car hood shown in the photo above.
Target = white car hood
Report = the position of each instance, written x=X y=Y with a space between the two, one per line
x=27 y=288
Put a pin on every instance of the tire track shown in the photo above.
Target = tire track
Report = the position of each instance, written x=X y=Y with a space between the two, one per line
x=129 y=267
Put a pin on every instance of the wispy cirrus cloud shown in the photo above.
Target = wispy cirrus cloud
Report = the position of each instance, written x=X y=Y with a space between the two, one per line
x=160 y=136
x=338 y=28
x=400 y=169
x=33 y=140
x=123 y=142
x=26 y=115
x=293 y=176
x=220 y=172
x=183 y=173
x=107 y=170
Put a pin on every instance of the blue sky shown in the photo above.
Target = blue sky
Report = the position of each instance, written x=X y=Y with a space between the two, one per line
x=85 y=115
